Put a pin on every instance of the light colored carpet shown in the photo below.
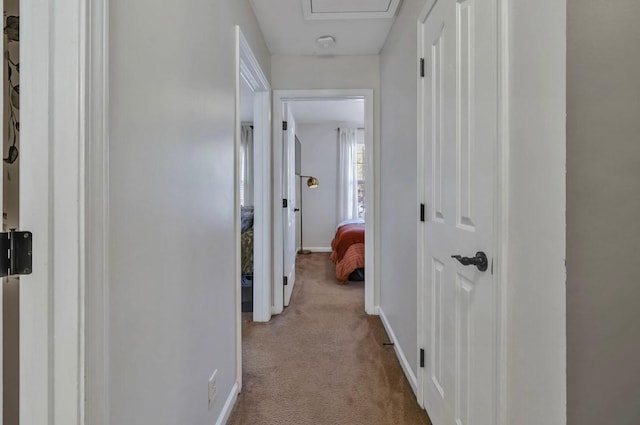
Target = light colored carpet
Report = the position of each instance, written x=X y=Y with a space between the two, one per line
x=322 y=361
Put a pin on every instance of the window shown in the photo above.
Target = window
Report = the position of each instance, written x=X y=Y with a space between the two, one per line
x=243 y=170
x=361 y=179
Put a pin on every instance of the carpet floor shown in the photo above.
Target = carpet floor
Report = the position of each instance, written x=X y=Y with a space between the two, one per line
x=322 y=361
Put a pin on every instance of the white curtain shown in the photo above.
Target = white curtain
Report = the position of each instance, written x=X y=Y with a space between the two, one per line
x=246 y=165
x=348 y=175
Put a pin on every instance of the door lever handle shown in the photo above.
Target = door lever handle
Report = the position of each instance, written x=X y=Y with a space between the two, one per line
x=480 y=261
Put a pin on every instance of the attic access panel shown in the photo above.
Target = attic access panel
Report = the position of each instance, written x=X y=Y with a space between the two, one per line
x=349 y=9
x=349 y=6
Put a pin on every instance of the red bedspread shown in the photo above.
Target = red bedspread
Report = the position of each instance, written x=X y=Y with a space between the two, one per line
x=348 y=250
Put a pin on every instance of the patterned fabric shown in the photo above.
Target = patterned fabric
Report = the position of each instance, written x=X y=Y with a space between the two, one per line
x=246 y=252
x=246 y=218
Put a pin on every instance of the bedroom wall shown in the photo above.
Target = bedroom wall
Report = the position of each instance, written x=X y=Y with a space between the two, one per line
x=603 y=206
x=319 y=144
x=171 y=187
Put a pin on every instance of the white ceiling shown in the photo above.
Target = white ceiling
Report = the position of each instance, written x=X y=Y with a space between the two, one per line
x=287 y=32
x=328 y=111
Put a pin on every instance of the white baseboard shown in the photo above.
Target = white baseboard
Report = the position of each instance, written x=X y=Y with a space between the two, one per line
x=318 y=248
x=406 y=367
x=228 y=406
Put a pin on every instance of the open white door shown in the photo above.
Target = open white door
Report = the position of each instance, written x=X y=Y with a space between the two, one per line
x=459 y=102
x=9 y=205
x=288 y=210
x=52 y=199
x=3 y=281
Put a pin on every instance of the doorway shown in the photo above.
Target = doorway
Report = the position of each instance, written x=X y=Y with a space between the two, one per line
x=284 y=184
x=330 y=183
x=324 y=167
x=252 y=191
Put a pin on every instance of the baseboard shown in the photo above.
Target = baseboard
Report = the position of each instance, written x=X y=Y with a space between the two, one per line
x=228 y=406
x=318 y=248
x=406 y=367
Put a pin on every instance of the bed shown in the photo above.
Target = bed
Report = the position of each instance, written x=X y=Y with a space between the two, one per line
x=347 y=251
x=246 y=240
x=246 y=256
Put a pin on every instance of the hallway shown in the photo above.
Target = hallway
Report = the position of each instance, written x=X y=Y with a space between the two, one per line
x=322 y=361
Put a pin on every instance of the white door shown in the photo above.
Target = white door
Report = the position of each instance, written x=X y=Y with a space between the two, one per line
x=289 y=216
x=9 y=205
x=459 y=98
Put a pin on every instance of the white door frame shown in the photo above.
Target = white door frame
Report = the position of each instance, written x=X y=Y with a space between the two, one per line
x=372 y=227
x=501 y=179
x=248 y=69
x=52 y=179
x=97 y=238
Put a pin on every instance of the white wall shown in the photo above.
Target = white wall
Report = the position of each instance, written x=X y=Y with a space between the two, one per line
x=319 y=143
x=603 y=206
x=536 y=387
x=171 y=216
x=398 y=215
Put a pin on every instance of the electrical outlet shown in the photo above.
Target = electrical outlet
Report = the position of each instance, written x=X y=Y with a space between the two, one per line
x=213 y=388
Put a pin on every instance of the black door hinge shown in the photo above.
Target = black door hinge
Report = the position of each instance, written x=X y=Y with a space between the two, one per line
x=284 y=126
x=422 y=357
x=285 y=203
x=16 y=249
x=285 y=280
x=422 y=212
x=422 y=67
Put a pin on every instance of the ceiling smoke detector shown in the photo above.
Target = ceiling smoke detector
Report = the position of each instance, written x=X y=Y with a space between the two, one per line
x=326 y=41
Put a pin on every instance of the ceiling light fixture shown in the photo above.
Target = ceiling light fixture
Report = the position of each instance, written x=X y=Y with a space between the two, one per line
x=326 y=41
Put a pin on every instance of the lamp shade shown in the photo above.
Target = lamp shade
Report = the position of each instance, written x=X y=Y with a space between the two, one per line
x=312 y=182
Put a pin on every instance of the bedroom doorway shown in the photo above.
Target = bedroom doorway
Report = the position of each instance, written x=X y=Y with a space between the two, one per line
x=313 y=184
x=252 y=193
x=324 y=186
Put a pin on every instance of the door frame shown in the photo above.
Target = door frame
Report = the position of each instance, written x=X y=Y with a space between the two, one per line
x=501 y=210
x=372 y=225
x=248 y=69
x=54 y=195
x=96 y=356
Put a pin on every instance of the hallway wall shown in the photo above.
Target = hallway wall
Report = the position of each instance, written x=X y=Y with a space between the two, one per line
x=398 y=145
x=603 y=206
x=336 y=72
x=171 y=217
x=536 y=279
